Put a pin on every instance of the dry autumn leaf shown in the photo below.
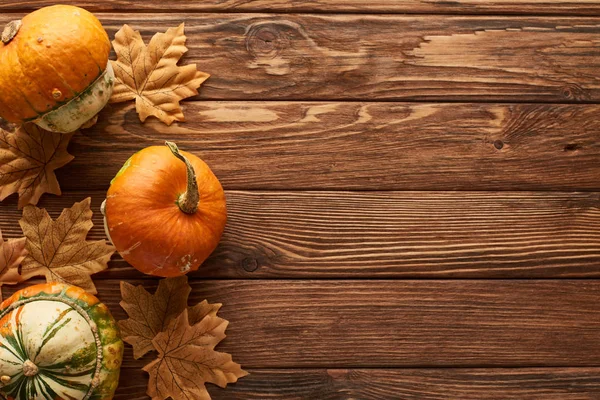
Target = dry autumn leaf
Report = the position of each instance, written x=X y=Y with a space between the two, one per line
x=201 y=310
x=28 y=158
x=12 y=253
x=150 y=314
x=59 y=250
x=151 y=76
x=187 y=360
x=184 y=337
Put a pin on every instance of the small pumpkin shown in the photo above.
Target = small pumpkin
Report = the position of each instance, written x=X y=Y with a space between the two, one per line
x=58 y=342
x=165 y=211
x=54 y=68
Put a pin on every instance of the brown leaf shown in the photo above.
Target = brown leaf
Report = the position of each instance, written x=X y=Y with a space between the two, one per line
x=151 y=76
x=201 y=310
x=12 y=253
x=28 y=158
x=187 y=360
x=58 y=249
x=150 y=314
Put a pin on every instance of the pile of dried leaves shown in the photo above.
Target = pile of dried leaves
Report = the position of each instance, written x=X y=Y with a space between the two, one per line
x=184 y=337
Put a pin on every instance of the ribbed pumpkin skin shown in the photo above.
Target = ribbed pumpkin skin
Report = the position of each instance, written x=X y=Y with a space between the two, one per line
x=60 y=329
x=145 y=223
x=57 y=53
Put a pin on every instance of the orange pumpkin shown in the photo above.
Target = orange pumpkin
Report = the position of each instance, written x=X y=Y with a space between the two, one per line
x=54 y=68
x=165 y=211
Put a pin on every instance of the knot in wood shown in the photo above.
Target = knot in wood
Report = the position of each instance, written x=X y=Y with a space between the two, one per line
x=249 y=264
x=266 y=40
x=574 y=92
x=30 y=369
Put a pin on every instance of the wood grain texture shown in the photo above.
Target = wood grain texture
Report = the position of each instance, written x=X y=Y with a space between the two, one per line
x=390 y=384
x=386 y=234
x=374 y=146
x=387 y=323
x=534 y=7
x=329 y=57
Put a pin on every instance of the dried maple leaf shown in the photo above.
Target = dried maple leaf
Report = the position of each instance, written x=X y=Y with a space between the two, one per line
x=150 y=314
x=187 y=360
x=151 y=76
x=201 y=310
x=58 y=249
x=28 y=158
x=12 y=253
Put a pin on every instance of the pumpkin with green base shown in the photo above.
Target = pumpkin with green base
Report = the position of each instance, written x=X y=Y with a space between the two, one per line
x=58 y=342
x=54 y=68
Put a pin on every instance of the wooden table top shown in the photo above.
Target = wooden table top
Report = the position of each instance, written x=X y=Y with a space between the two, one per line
x=413 y=191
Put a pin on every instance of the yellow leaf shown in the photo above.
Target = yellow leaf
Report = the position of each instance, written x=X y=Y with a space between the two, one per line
x=28 y=158
x=151 y=76
x=58 y=249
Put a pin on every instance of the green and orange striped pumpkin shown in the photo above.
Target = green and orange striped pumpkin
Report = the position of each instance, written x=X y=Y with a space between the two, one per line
x=58 y=342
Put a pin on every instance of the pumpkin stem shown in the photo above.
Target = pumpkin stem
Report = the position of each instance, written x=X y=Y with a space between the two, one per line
x=188 y=201
x=10 y=31
x=29 y=368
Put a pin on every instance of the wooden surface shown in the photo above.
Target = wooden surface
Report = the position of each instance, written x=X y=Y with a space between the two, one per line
x=539 y=7
x=386 y=235
x=414 y=200
x=387 y=323
x=385 y=57
x=358 y=146
x=406 y=384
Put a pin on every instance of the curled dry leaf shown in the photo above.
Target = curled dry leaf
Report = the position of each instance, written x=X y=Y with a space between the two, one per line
x=187 y=360
x=150 y=314
x=28 y=158
x=151 y=76
x=58 y=249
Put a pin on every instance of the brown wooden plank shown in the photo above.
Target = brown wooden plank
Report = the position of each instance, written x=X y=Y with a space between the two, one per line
x=375 y=146
x=328 y=57
x=394 y=384
x=534 y=7
x=388 y=234
x=386 y=323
